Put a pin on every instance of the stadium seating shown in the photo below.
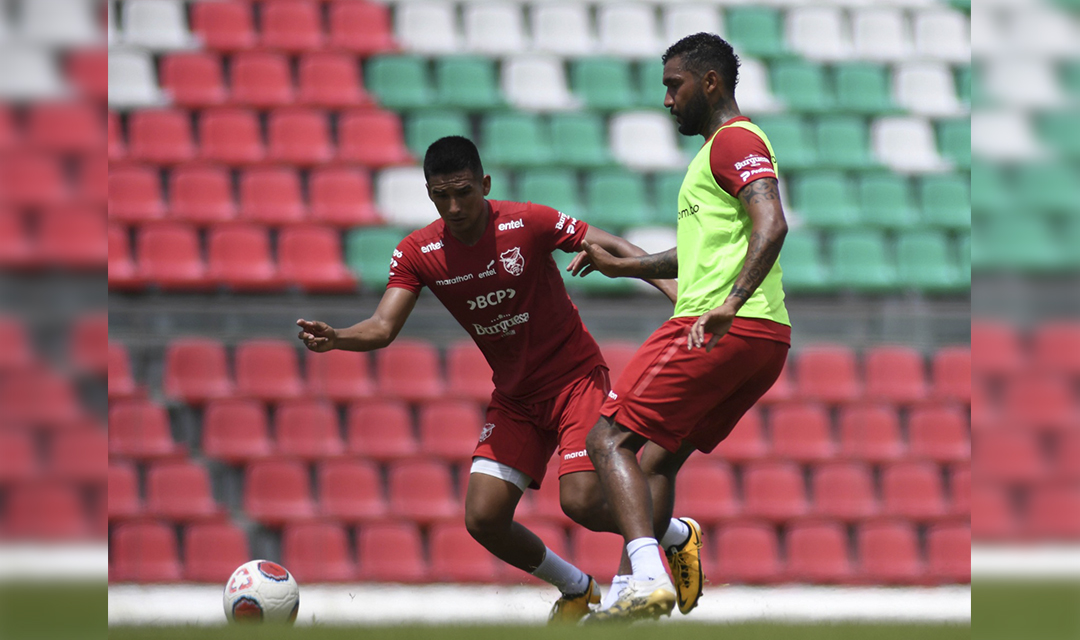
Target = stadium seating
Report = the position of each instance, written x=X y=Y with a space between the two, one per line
x=139 y=429
x=449 y=429
x=123 y=491
x=235 y=430
x=773 y=490
x=277 y=491
x=213 y=550
x=706 y=490
x=421 y=490
x=307 y=429
x=17 y=455
x=843 y=491
x=350 y=491
x=268 y=370
x=201 y=194
x=180 y=490
x=410 y=370
x=828 y=374
x=360 y=27
x=144 y=552
x=238 y=257
x=913 y=490
x=748 y=552
x=317 y=552
x=341 y=376
x=457 y=557
x=310 y=256
x=889 y=552
x=407 y=564
x=895 y=374
x=381 y=430
x=818 y=552
x=801 y=432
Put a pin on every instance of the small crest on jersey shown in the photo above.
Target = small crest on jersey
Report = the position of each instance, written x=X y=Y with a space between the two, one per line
x=512 y=261
x=486 y=431
x=612 y=395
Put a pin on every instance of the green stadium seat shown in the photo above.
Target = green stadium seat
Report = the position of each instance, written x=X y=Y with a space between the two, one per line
x=399 y=82
x=557 y=188
x=1059 y=131
x=756 y=31
x=945 y=201
x=595 y=283
x=666 y=186
x=650 y=84
x=964 y=251
x=802 y=85
x=424 y=127
x=1052 y=187
x=963 y=84
x=885 y=201
x=368 y=252
x=860 y=261
x=1070 y=78
x=991 y=193
x=616 y=199
x=842 y=143
x=923 y=262
x=863 y=88
x=954 y=141
x=825 y=199
x=791 y=140
x=501 y=185
x=1026 y=243
x=467 y=83
x=580 y=140
x=603 y=83
x=800 y=259
x=515 y=140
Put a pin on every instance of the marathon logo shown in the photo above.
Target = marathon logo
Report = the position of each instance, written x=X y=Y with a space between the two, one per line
x=513 y=224
x=431 y=246
x=503 y=327
x=576 y=454
x=750 y=161
x=454 y=280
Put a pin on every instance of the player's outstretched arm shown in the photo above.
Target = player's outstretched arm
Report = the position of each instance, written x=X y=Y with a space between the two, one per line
x=374 y=333
x=615 y=257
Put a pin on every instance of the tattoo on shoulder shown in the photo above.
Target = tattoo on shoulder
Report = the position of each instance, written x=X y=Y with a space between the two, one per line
x=759 y=191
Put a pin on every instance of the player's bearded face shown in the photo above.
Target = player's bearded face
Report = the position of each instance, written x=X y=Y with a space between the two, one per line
x=694 y=113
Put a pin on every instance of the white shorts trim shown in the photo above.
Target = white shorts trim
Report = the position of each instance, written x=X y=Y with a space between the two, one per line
x=501 y=471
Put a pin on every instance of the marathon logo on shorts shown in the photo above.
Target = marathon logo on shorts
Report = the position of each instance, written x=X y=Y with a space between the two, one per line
x=612 y=395
x=576 y=454
x=503 y=327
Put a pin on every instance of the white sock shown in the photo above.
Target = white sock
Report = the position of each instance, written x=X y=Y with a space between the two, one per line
x=565 y=576
x=678 y=532
x=617 y=584
x=645 y=559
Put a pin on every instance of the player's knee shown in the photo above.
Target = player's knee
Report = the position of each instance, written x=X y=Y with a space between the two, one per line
x=582 y=509
x=599 y=441
x=485 y=525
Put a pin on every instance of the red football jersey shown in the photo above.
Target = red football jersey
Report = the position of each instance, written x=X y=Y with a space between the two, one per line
x=508 y=294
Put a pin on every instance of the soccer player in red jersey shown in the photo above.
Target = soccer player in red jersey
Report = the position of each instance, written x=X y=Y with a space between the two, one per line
x=489 y=262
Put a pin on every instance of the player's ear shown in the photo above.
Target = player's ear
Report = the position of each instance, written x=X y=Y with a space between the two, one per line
x=486 y=182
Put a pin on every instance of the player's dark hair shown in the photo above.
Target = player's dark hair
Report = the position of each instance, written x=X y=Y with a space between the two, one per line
x=704 y=52
x=450 y=155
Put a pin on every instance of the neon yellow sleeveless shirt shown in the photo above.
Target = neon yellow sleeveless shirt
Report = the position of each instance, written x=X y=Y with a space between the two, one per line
x=713 y=235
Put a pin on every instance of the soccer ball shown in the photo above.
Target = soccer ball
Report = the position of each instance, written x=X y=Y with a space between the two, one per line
x=261 y=591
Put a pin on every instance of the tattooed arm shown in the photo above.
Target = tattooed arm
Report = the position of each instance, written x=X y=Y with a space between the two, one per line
x=761 y=199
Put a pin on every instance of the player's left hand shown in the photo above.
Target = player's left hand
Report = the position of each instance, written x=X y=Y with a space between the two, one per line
x=715 y=322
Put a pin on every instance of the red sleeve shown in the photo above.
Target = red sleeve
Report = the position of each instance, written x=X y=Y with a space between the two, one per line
x=738 y=157
x=562 y=231
x=403 y=274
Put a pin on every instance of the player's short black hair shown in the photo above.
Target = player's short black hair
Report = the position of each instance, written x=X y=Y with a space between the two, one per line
x=704 y=52
x=450 y=155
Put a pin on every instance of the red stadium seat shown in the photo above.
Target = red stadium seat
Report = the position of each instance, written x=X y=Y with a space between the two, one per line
x=235 y=430
x=871 y=433
x=783 y=389
x=889 y=552
x=90 y=343
x=92 y=179
x=409 y=369
x=351 y=491
x=1040 y=401
x=196 y=370
x=449 y=429
x=457 y=557
x=194 y=79
x=596 y=553
x=818 y=552
x=372 y=138
x=308 y=429
x=44 y=511
x=180 y=490
x=170 y=257
x=949 y=553
x=828 y=373
x=706 y=490
x=140 y=429
x=271 y=196
x=318 y=552
x=310 y=256
x=1057 y=347
x=39 y=397
x=161 y=136
x=80 y=454
x=1054 y=512
x=381 y=430
x=299 y=136
x=135 y=194
x=88 y=71
x=16 y=245
x=268 y=369
x=939 y=433
x=261 y=80
x=239 y=258
x=960 y=490
x=201 y=194
x=406 y=564
x=995 y=347
x=212 y=550
x=545 y=501
x=1067 y=460
x=277 y=491
x=292 y=25
x=746 y=441
x=363 y=28
x=844 y=491
x=227 y=26
x=123 y=494
x=618 y=353
x=992 y=516
x=331 y=80
x=801 y=432
x=342 y=196
x=116 y=145
x=913 y=490
x=341 y=376
x=773 y=490
x=65 y=127
x=748 y=552
x=32 y=179
x=18 y=455
x=144 y=552
x=895 y=374
x=951 y=372
x=231 y=136
x=15 y=349
x=11 y=134
x=123 y=274
x=421 y=490
x=468 y=374
x=73 y=237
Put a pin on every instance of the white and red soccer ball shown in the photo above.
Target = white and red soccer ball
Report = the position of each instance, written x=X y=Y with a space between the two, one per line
x=261 y=591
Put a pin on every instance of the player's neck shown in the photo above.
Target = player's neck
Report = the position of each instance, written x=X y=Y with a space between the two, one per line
x=472 y=235
x=725 y=111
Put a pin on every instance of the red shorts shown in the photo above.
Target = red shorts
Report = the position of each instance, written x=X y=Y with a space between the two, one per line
x=524 y=435
x=672 y=395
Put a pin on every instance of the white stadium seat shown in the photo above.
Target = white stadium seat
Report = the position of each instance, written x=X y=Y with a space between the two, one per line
x=753 y=93
x=428 y=28
x=1044 y=30
x=495 y=28
x=537 y=83
x=906 y=144
x=29 y=73
x=682 y=20
x=880 y=34
x=818 y=33
x=132 y=81
x=1004 y=136
x=68 y=23
x=645 y=140
x=158 y=25
x=927 y=88
x=563 y=29
x=401 y=194
x=1022 y=83
x=629 y=30
x=943 y=35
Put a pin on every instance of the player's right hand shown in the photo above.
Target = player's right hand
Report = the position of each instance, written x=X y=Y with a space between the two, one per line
x=317 y=336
